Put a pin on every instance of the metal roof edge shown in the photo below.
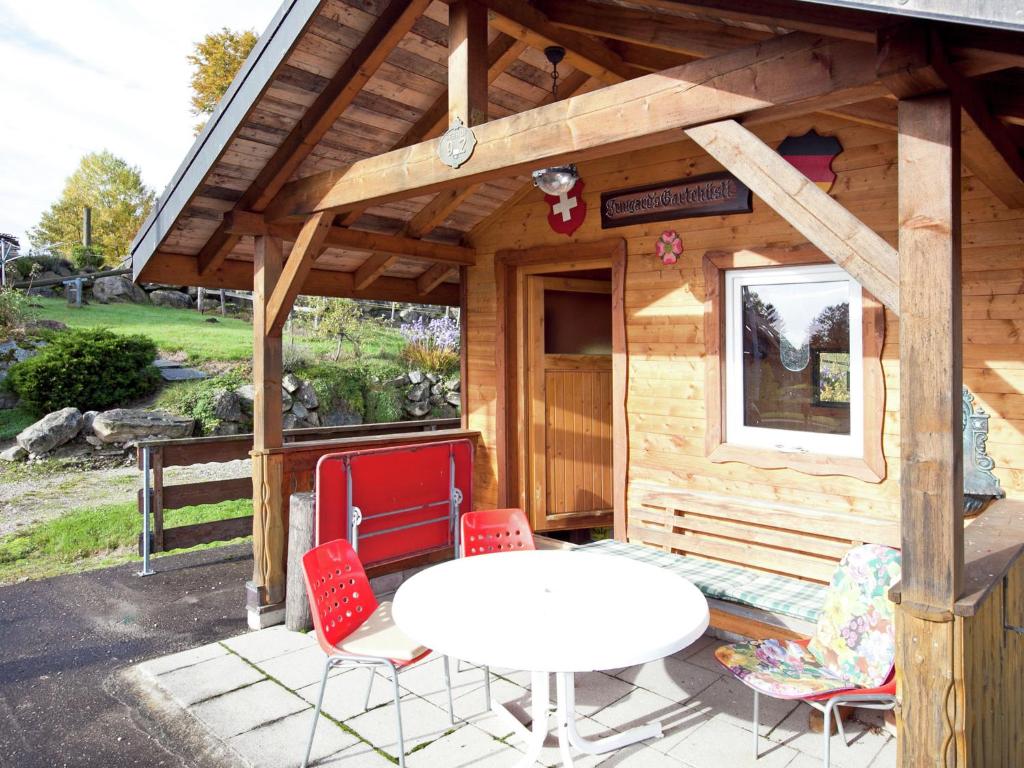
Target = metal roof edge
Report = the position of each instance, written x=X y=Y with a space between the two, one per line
x=270 y=51
x=998 y=14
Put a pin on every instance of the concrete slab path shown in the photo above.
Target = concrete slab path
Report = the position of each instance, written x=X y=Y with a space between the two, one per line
x=254 y=695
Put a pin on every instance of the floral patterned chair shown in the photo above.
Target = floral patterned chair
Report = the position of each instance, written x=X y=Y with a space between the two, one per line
x=850 y=659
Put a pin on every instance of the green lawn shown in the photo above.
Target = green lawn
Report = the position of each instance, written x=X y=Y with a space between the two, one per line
x=14 y=420
x=173 y=330
x=95 y=538
x=229 y=339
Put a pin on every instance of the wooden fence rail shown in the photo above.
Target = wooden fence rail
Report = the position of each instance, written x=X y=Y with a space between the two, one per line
x=156 y=455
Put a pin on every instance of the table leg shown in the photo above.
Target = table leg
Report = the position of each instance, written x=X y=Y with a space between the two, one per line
x=535 y=735
x=565 y=686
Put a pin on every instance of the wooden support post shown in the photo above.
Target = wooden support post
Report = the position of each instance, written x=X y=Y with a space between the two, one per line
x=266 y=590
x=931 y=478
x=467 y=62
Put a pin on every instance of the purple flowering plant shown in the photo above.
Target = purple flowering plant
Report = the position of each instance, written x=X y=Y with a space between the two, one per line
x=432 y=346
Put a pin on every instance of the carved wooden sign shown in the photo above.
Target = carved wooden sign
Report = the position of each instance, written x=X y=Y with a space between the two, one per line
x=711 y=195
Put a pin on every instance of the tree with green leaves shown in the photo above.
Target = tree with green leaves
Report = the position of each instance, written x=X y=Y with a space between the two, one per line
x=119 y=200
x=215 y=61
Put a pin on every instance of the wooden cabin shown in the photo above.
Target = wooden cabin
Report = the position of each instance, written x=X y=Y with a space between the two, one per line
x=740 y=333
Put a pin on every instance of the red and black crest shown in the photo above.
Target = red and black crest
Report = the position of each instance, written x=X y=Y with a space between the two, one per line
x=812 y=155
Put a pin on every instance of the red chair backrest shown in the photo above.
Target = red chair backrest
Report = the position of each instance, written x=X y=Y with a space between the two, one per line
x=495 y=530
x=338 y=589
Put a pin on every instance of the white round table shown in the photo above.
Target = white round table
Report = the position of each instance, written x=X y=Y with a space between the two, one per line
x=559 y=611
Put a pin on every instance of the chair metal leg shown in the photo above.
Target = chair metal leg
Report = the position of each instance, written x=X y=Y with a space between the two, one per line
x=316 y=712
x=826 y=733
x=369 y=689
x=487 y=686
x=448 y=685
x=840 y=726
x=398 y=716
x=756 y=722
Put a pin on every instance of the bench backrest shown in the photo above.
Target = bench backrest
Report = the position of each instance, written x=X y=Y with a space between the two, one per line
x=771 y=537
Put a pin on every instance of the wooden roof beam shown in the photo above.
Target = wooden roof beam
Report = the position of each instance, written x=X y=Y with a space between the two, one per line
x=236 y=274
x=467 y=62
x=367 y=57
x=663 y=31
x=912 y=62
x=646 y=111
x=306 y=248
x=524 y=22
x=809 y=209
x=240 y=223
x=433 y=277
x=502 y=51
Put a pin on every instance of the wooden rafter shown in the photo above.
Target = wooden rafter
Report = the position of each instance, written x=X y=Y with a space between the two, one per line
x=647 y=111
x=306 y=248
x=663 y=31
x=911 y=63
x=392 y=25
x=433 y=277
x=372 y=268
x=502 y=51
x=236 y=274
x=244 y=223
x=810 y=210
x=467 y=62
x=524 y=22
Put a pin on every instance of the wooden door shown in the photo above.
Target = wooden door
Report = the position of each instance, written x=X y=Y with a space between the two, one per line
x=568 y=338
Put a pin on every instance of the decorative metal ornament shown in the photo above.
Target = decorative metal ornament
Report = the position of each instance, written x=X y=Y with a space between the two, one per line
x=567 y=210
x=812 y=155
x=456 y=145
x=669 y=247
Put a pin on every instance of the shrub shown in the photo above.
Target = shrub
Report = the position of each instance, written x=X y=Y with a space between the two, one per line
x=89 y=369
x=87 y=257
x=432 y=346
x=15 y=311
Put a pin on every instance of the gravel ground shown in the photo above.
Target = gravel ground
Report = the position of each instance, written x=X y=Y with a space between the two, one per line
x=27 y=497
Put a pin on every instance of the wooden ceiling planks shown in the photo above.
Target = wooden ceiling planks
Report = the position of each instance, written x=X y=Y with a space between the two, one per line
x=390 y=109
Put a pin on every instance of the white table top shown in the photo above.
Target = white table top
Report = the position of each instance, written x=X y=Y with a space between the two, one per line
x=551 y=611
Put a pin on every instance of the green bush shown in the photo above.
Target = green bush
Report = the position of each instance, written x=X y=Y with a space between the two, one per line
x=86 y=369
x=195 y=399
x=86 y=256
x=15 y=311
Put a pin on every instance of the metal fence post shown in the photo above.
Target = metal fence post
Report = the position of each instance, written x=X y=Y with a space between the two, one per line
x=147 y=504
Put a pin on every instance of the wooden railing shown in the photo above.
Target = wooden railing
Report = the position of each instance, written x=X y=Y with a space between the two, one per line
x=986 y=644
x=306 y=444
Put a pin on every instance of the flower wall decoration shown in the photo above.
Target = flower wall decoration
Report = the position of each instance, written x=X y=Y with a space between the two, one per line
x=669 y=247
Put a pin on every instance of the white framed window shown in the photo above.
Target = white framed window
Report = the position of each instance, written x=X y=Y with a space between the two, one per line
x=794 y=360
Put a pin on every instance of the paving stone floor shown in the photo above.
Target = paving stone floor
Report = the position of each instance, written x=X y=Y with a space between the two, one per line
x=255 y=692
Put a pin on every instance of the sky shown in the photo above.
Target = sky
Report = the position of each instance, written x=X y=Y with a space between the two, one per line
x=78 y=76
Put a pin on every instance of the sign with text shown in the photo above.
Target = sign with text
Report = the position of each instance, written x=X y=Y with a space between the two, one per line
x=711 y=195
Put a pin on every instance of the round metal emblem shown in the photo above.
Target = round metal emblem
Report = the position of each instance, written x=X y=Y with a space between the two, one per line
x=456 y=145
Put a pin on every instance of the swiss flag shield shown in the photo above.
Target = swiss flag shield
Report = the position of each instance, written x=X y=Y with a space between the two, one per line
x=567 y=210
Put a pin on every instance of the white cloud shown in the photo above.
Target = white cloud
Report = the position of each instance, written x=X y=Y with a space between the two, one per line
x=79 y=76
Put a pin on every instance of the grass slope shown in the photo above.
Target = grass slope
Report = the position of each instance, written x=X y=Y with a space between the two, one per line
x=14 y=420
x=95 y=538
x=229 y=339
x=173 y=330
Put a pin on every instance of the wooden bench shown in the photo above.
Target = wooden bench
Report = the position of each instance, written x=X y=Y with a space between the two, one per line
x=763 y=566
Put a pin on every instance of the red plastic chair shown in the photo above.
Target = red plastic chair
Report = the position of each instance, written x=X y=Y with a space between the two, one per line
x=486 y=531
x=353 y=629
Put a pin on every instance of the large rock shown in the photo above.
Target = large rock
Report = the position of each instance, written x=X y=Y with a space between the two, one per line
x=418 y=409
x=124 y=424
x=299 y=411
x=291 y=382
x=14 y=453
x=418 y=392
x=116 y=288
x=307 y=396
x=51 y=431
x=166 y=298
x=247 y=393
x=227 y=406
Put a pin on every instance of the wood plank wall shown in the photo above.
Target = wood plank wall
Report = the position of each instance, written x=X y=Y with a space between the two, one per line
x=664 y=307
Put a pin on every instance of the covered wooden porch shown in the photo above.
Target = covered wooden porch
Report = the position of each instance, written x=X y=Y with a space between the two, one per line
x=321 y=175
